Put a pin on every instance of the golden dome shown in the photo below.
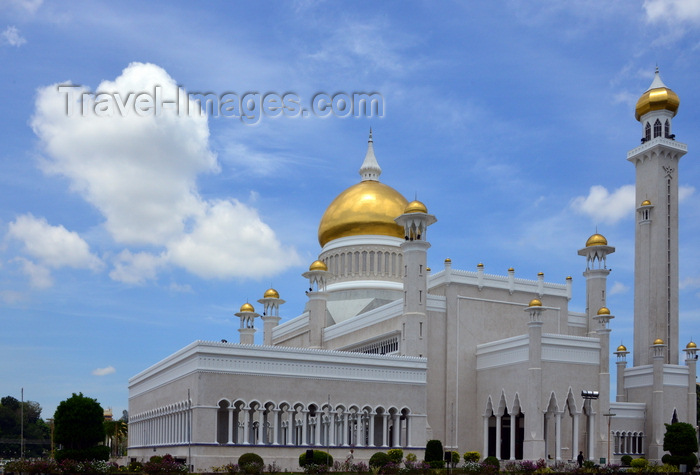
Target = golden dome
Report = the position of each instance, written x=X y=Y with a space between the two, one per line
x=658 y=341
x=510 y=269
x=415 y=207
x=368 y=207
x=318 y=265
x=657 y=97
x=535 y=303
x=480 y=265
x=604 y=311
x=596 y=240
x=621 y=348
x=448 y=260
x=271 y=294
x=691 y=345
x=246 y=307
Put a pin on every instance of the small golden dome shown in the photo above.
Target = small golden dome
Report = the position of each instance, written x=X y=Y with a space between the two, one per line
x=246 y=307
x=646 y=203
x=596 y=240
x=480 y=265
x=657 y=97
x=369 y=207
x=535 y=303
x=448 y=260
x=540 y=274
x=415 y=207
x=318 y=265
x=691 y=345
x=569 y=277
x=621 y=348
x=510 y=269
x=427 y=269
x=604 y=311
x=658 y=341
x=271 y=294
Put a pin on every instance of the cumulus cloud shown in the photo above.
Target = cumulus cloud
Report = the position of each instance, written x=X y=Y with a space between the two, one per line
x=12 y=37
x=39 y=275
x=672 y=11
x=53 y=246
x=606 y=207
x=103 y=371
x=618 y=288
x=140 y=171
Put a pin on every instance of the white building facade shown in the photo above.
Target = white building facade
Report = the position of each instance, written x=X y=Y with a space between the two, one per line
x=389 y=354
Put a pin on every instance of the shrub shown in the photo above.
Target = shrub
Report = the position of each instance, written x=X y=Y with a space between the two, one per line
x=626 y=460
x=320 y=458
x=164 y=464
x=248 y=458
x=493 y=462
x=473 y=456
x=98 y=452
x=396 y=455
x=452 y=456
x=433 y=451
x=640 y=463
x=411 y=457
x=134 y=467
x=472 y=467
x=379 y=460
x=689 y=461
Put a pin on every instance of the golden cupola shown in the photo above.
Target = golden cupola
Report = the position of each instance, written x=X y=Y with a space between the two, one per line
x=367 y=208
x=657 y=97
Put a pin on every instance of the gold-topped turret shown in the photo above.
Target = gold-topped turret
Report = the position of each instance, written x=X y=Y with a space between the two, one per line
x=657 y=97
x=596 y=240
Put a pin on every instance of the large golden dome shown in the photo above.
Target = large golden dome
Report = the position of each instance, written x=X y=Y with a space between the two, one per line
x=368 y=207
x=657 y=97
x=596 y=240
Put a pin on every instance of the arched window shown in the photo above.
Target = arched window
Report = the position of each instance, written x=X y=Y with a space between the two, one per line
x=657 y=128
x=667 y=129
x=647 y=132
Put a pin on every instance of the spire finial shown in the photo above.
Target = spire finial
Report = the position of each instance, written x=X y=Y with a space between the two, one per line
x=370 y=169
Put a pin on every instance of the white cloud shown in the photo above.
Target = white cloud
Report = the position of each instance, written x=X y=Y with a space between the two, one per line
x=12 y=37
x=685 y=192
x=618 y=288
x=135 y=268
x=606 y=207
x=670 y=11
x=29 y=6
x=690 y=283
x=103 y=371
x=140 y=172
x=53 y=246
x=230 y=240
x=39 y=276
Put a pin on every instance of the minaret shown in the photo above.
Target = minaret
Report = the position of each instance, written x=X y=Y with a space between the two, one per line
x=602 y=330
x=415 y=221
x=247 y=330
x=271 y=302
x=534 y=444
x=596 y=274
x=656 y=233
x=318 y=297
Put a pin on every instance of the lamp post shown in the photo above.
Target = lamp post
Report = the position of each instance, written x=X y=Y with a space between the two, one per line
x=609 y=415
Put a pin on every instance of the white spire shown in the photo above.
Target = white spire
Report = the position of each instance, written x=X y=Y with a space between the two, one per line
x=370 y=169
x=657 y=82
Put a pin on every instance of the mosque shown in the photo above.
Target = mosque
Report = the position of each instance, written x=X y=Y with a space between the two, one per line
x=388 y=353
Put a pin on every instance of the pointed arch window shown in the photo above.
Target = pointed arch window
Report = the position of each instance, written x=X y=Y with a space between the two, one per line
x=657 y=128
x=647 y=132
x=667 y=129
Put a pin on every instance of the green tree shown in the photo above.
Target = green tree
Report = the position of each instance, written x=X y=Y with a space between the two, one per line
x=79 y=427
x=680 y=440
x=116 y=433
x=434 y=454
x=36 y=432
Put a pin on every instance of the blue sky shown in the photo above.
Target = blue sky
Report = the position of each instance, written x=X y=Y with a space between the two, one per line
x=124 y=238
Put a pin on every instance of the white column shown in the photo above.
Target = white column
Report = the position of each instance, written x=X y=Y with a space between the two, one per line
x=275 y=426
x=230 y=425
x=395 y=431
x=290 y=426
x=557 y=435
x=486 y=436
x=261 y=426
x=574 y=434
x=331 y=428
x=304 y=427
x=513 y=425
x=345 y=429
x=319 y=421
x=385 y=429
x=591 y=436
x=246 y=426
x=498 y=436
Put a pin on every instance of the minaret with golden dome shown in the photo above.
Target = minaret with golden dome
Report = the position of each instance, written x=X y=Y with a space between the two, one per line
x=596 y=252
x=415 y=221
x=271 y=302
x=656 y=234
